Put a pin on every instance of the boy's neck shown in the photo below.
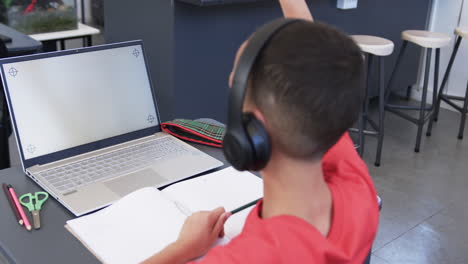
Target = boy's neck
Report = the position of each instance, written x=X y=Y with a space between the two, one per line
x=298 y=188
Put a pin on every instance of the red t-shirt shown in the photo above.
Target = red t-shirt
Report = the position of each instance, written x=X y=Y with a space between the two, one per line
x=289 y=239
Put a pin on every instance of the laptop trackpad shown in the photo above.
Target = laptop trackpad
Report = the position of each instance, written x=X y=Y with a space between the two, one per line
x=134 y=181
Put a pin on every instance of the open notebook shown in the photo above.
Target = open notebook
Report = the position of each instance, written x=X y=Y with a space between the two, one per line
x=147 y=220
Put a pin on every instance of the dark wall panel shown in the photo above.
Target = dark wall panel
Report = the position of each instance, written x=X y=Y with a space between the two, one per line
x=191 y=48
x=207 y=38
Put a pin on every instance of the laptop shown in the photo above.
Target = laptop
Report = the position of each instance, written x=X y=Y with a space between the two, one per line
x=88 y=127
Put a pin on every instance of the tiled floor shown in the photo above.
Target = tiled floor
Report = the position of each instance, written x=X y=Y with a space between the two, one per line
x=425 y=207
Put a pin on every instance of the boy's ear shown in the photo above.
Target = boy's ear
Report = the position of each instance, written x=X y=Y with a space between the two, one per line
x=261 y=117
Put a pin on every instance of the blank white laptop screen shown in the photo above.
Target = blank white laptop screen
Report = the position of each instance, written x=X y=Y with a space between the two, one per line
x=67 y=101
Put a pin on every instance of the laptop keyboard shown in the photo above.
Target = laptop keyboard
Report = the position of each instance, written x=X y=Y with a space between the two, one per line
x=68 y=178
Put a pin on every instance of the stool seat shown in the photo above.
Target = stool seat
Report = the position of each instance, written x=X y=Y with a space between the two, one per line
x=374 y=45
x=426 y=39
x=462 y=32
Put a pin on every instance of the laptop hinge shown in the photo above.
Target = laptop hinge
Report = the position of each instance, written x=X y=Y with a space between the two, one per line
x=34 y=169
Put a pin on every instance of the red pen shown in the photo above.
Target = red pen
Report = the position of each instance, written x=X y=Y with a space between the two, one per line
x=12 y=204
x=20 y=208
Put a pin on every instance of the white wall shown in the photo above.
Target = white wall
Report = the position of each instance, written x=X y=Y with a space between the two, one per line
x=446 y=16
x=459 y=74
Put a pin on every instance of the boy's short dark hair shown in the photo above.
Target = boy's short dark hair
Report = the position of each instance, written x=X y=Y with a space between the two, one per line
x=309 y=83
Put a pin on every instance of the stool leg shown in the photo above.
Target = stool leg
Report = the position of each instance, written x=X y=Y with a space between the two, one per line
x=423 y=101
x=397 y=65
x=365 y=107
x=361 y=132
x=445 y=79
x=381 y=110
x=434 y=92
x=408 y=93
x=436 y=77
x=368 y=85
x=463 y=117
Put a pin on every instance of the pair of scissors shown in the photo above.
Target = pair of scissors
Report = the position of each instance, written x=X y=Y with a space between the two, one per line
x=34 y=204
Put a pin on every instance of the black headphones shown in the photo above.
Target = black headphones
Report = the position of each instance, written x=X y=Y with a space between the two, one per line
x=246 y=144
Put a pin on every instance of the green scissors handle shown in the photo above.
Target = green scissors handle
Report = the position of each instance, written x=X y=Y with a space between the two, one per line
x=34 y=201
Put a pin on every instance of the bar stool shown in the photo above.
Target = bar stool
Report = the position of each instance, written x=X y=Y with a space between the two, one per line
x=461 y=32
x=429 y=41
x=373 y=46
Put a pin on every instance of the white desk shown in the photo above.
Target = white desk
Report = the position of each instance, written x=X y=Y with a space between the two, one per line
x=83 y=31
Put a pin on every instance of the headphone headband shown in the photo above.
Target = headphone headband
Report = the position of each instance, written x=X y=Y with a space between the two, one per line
x=246 y=143
x=244 y=67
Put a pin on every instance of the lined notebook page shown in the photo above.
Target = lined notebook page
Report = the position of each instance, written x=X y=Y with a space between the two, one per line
x=131 y=230
x=226 y=188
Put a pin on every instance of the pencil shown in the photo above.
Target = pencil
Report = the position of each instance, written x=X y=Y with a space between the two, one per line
x=12 y=204
x=235 y=211
x=20 y=208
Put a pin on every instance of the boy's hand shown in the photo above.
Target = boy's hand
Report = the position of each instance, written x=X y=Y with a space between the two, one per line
x=291 y=9
x=236 y=60
x=200 y=231
x=296 y=9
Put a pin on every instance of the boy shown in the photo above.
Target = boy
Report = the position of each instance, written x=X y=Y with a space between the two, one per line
x=319 y=202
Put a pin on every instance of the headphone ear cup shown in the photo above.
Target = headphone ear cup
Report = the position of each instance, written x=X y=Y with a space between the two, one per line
x=237 y=150
x=259 y=141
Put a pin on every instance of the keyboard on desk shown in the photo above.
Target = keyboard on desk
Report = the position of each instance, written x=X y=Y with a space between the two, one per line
x=72 y=176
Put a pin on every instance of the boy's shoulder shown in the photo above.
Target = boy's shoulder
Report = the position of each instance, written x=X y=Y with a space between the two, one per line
x=343 y=164
x=346 y=172
x=271 y=240
x=343 y=151
x=288 y=239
